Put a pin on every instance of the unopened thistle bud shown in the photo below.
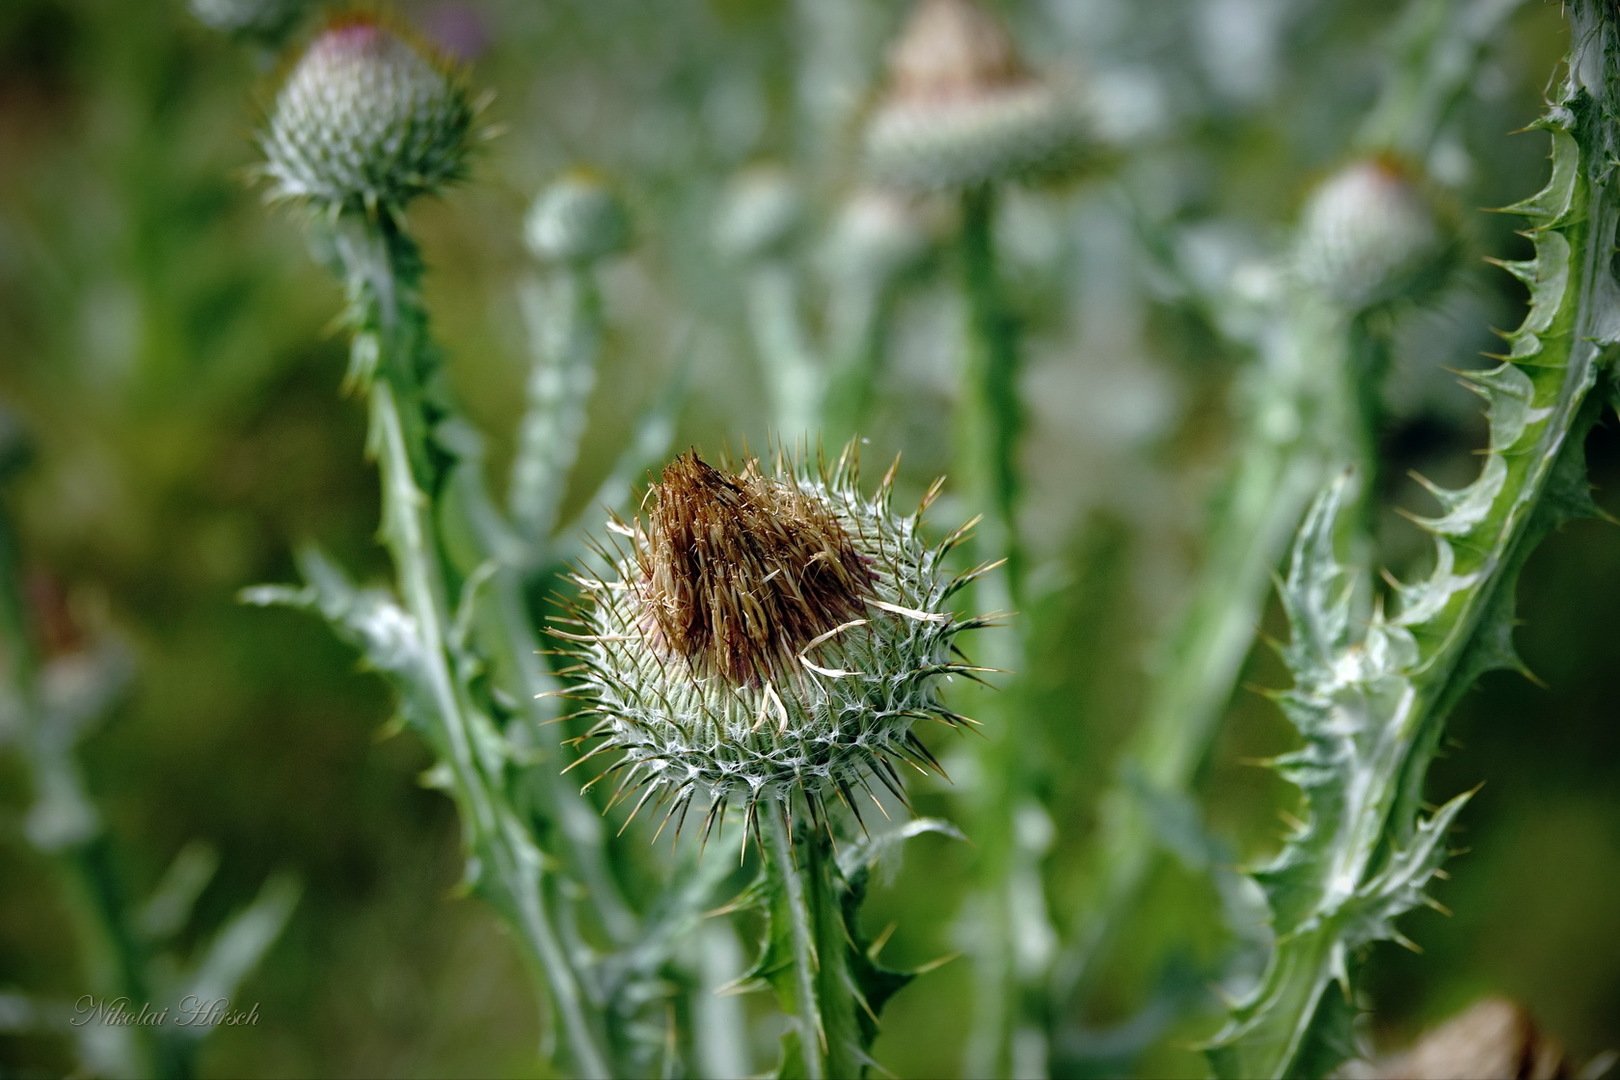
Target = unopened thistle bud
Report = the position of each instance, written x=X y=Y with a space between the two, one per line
x=367 y=119
x=761 y=214
x=762 y=634
x=961 y=109
x=577 y=219
x=1371 y=234
x=265 y=21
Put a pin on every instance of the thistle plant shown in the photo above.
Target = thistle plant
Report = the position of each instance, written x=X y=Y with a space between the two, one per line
x=1372 y=690
x=1311 y=406
x=766 y=643
x=961 y=113
x=676 y=743
x=366 y=122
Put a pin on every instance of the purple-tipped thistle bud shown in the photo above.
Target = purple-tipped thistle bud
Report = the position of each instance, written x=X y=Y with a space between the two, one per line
x=1372 y=233
x=367 y=119
x=577 y=219
x=961 y=108
x=762 y=634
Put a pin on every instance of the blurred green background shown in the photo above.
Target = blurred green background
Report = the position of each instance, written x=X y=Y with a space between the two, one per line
x=167 y=344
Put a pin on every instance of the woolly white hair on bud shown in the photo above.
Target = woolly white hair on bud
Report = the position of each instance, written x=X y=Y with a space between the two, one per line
x=762 y=634
x=366 y=119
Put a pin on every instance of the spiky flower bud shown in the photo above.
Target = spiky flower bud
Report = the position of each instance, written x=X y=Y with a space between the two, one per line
x=367 y=119
x=761 y=213
x=961 y=108
x=266 y=21
x=1371 y=233
x=761 y=634
x=577 y=219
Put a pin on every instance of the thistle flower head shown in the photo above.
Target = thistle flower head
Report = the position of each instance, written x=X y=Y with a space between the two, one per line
x=761 y=634
x=366 y=119
x=961 y=108
x=577 y=219
x=1371 y=234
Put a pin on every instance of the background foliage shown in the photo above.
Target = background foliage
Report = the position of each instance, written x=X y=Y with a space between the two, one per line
x=169 y=351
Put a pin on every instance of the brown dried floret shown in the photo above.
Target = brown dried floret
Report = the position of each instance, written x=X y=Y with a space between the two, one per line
x=740 y=571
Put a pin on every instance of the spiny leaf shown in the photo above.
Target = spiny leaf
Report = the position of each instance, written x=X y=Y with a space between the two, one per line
x=1371 y=693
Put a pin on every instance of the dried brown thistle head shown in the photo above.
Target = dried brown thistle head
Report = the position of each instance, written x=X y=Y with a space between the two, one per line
x=741 y=571
x=766 y=637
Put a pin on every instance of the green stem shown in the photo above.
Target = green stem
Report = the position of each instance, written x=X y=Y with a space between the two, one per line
x=805 y=877
x=796 y=902
x=992 y=418
x=1371 y=695
x=1014 y=940
x=384 y=267
x=1313 y=410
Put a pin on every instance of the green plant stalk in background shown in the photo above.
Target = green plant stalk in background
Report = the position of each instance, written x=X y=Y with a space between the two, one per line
x=1012 y=948
x=65 y=826
x=125 y=946
x=1310 y=409
x=565 y=323
x=1371 y=695
x=1313 y=407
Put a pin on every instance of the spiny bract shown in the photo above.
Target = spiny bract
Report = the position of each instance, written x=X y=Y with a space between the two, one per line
x=366 y=120
x=764 y=634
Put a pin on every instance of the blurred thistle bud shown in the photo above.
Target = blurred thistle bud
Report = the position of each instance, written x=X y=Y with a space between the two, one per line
x=878 y=237
x=761 y=215
x=961 y=109
x=1371 y=234
x=267 y=22
x=367 y=119
x=577 y=219
x=764 y=634
x=1493 y=1037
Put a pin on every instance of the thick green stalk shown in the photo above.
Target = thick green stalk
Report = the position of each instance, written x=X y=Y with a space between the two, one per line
x=392 y=364
x=821 y=990
x=1371 y=696
x=1013 y=943
x=992 y=418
